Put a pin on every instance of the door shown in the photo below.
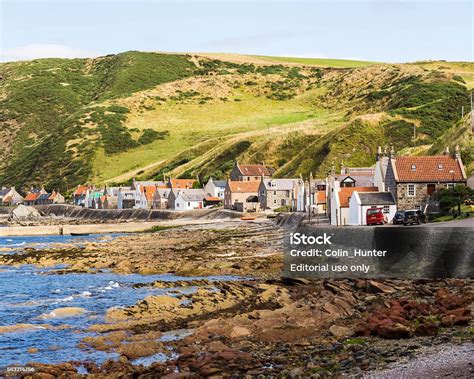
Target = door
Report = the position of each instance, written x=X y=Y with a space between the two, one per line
x=430 y=189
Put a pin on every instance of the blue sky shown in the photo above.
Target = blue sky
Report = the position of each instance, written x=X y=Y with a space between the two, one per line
x=378 y=30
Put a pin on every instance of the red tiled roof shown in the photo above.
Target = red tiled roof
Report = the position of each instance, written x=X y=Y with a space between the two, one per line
x=428 y=169
x=81 y=190
x=32 y=196
x=149 y=191
x=346 y=193
x=254 y=170
x=213 y=198
x=244 y=186
x=321 y=197
x=182 y=183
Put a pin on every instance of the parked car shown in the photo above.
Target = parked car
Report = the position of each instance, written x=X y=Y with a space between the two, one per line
x=375 y=216
x=398 y=218
x=414 y=216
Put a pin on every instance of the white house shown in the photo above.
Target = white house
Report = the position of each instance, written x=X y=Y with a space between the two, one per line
x=339 y=202
x=186 y=199
x=360 y=202
x=215 y=188
x=9 y=196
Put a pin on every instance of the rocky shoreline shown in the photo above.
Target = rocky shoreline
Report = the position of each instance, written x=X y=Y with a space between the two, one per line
x=259 y=325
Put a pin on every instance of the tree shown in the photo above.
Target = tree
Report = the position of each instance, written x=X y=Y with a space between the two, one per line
x=449 y=197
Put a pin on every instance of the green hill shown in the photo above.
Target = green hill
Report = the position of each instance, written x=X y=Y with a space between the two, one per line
x=108 y=119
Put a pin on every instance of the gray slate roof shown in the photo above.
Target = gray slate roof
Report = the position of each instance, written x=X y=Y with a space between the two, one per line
x=376 y=198
x=220 y=183
x=279 y=184
x=192 y=194
x=4 y=192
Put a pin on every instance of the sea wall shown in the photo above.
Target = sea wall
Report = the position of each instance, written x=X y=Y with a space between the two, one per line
x=74 y=212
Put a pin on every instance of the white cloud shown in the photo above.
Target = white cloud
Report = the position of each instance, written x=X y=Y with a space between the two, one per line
x=34 y=51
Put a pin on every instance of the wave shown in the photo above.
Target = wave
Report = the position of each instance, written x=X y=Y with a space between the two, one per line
x=20 y=244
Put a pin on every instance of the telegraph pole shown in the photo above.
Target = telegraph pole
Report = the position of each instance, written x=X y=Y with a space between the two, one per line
x=472 y=116
x=309 y=200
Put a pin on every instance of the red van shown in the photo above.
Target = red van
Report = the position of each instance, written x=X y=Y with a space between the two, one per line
x=375 y=216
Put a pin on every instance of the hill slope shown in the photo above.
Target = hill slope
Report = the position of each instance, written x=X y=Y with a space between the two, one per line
x=108 y=119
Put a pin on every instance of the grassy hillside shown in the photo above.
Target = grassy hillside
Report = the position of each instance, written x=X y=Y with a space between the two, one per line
x=108 y=119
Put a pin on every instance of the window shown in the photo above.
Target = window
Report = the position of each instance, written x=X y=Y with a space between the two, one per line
x=413 y=167
x=386 y=209
x=274 y=201
x=189 y=204
x=283 y=202
x=449 y=185
x=418 y=207
x=440 y=167
x=411 y=190
x=275 y=192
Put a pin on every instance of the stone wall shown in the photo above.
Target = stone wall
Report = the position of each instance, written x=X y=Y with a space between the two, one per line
x=272 y=199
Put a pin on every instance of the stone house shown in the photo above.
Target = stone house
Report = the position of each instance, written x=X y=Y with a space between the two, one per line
x=413 y=180
x=241 y=195
x=215 y=188
x=160 y=198
x=275 y=193
x=250 y=172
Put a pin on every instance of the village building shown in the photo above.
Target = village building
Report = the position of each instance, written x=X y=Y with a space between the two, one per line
x=250 y=172
x=339 y=202
x=356 y=176
x=32 y=196
x=181 y=183
x=9 y=196
x=242 y=195
x=131 y=199
x=275 y=193
x=186 y=199
x=160 y=198
x=148 y=192
x=79 y=195
x=215 y=188
x=360 y=202
x=414 y=179
x=50 y=198
x=210 y=201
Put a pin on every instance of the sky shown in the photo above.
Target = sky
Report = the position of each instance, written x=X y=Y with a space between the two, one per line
x=374 y=30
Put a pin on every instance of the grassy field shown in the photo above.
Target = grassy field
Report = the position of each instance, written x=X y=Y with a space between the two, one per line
x=191 y=124
x=319 y=62
x=465 y=70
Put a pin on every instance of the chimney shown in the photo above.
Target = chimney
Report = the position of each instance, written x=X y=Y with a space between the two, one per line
x=343 y=168
x=379 y=153
x=333 y=169
x=392 y=152
x=457 y=152
x=446 y=151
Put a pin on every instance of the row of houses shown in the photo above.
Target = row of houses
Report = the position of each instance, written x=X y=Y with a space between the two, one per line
x=9 y=196
x=393 y=183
